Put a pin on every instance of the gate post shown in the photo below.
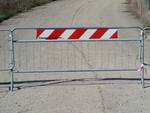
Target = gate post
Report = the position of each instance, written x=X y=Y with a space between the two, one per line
x=12 y=61
x=142 y=73
x=12 y=80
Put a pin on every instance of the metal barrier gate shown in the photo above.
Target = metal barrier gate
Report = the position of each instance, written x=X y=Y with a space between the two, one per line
x=46 y=50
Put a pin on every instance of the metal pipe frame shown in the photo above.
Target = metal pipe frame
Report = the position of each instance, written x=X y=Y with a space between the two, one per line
x=69 y=71
x=34 y=28
x=12 y=61
x=5 y=69
x=146 y=29
x=38 y=41
x=13 y=71
x=142 y=70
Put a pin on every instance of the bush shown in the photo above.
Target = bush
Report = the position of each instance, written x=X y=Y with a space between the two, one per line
x=141 y=9
x=9 y=8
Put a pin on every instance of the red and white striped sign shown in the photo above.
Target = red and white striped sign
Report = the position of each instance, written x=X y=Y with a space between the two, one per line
x=77 y=34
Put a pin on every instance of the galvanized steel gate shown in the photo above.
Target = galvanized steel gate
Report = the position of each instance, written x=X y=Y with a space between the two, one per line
x=46 y=50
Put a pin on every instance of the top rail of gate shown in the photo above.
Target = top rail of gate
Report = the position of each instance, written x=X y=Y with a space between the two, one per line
x=134 y=27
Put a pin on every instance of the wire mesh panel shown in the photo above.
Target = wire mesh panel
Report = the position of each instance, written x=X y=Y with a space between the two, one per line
x=5 y=53
x=76 y=56
x=34 y=55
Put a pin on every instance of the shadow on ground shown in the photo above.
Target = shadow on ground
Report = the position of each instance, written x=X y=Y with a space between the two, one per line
x=68 y=82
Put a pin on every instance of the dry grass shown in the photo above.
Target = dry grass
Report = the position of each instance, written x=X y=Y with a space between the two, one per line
x=139 y=8
x=9 y=8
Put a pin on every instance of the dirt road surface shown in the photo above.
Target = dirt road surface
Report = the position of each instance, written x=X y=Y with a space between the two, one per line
x=89 y=94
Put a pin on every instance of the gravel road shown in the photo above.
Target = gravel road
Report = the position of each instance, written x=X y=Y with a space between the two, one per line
x=76 y=92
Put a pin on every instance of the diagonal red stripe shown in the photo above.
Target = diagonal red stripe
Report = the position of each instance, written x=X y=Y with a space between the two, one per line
x=114 y=36
x=78 y=33
x=39 y=32
x=99 y=33
x=55 y=34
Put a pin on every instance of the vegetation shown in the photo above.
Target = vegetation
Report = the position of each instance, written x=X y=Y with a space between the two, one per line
x=9 y=8
x=141 y=8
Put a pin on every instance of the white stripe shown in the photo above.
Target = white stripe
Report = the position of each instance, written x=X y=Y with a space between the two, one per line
x=46 y=33
x=88 y=34
x=108 y=34
x=67 y=33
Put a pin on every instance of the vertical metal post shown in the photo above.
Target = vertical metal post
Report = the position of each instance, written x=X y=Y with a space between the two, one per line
x=142 y=59
x=12 y=80
x=12 y=62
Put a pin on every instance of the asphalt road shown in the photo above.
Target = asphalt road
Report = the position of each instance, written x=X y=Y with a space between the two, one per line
x=121 y=93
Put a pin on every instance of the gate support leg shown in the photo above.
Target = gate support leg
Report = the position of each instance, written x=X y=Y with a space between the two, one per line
x=12 y=80
x=142 y=59
x=143 y=84
x=142 y=76
x=12 y=62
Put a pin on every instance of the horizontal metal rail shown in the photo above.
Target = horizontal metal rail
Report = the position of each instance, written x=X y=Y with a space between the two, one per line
x=5 y=30
x=58 y=71
x=146 y=28
x=146 y=64
x=5 y=69
x=37 y=41
x=29 y=28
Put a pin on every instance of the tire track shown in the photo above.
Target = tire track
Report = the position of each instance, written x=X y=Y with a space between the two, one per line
x=78 y=10
x=86 y=60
